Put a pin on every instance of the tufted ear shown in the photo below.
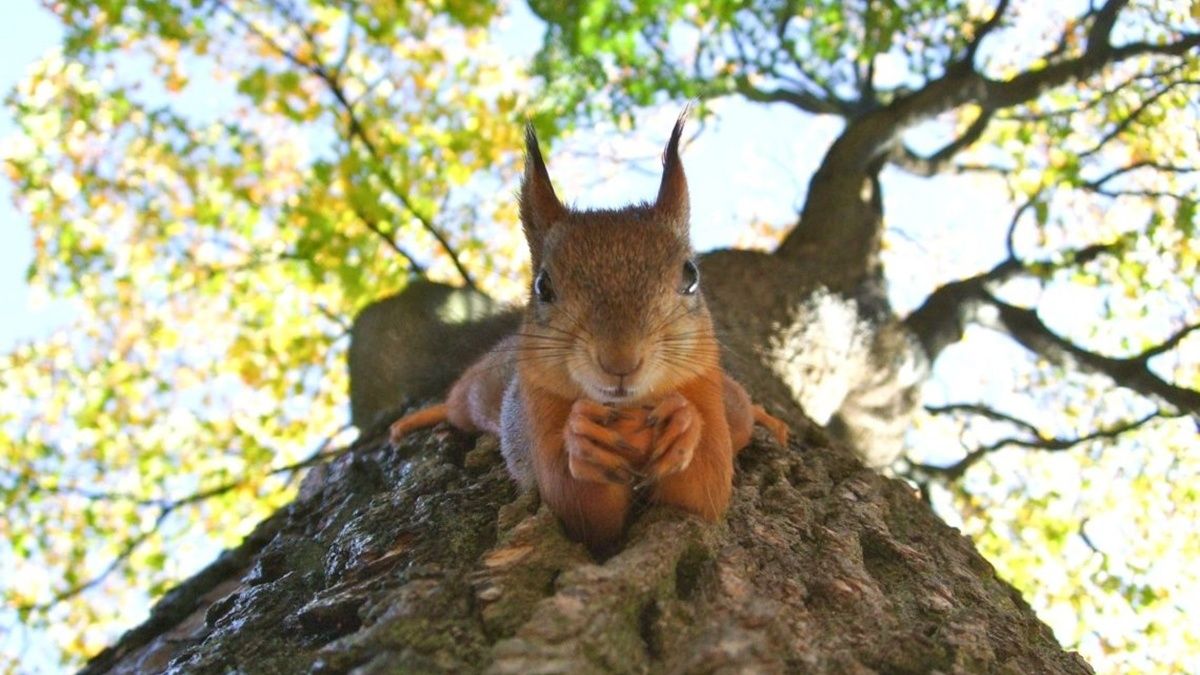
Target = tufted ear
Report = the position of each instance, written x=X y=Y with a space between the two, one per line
x=672 y=203
x=540 y=208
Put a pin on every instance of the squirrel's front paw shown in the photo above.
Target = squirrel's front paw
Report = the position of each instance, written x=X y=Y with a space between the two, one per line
x=676 y=425
x=595 y=452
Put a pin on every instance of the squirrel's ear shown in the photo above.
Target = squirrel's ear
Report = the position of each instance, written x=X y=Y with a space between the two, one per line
x=672 y=203
x=540 y=207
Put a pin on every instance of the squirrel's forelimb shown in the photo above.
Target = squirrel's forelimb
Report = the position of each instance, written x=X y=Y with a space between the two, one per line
x=585 y=470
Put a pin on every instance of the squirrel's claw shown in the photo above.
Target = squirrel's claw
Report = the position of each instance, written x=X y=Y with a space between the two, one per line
x=600 y=413
x=602 y=436
x=591 y=462
x=676 y=435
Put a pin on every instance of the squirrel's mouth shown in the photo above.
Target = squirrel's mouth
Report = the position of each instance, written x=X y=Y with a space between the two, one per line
x=617 y=392
x=620 y=394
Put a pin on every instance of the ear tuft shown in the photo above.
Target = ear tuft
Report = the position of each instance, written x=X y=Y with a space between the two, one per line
x=673 y=202
x=540 y=207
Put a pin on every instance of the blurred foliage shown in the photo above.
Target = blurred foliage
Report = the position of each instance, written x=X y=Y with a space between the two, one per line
x=213 y=262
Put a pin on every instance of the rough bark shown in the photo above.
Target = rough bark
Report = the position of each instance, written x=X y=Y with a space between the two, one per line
x=426 y=559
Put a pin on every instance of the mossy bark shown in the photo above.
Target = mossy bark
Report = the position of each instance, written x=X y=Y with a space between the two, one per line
x=427 y=559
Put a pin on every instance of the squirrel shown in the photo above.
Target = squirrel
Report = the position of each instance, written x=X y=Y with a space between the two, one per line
x=612 y=385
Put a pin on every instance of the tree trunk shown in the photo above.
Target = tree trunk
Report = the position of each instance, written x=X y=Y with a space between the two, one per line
x=426 y=559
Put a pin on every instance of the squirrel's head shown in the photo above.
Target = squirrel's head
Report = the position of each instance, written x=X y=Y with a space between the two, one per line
x=615 y=311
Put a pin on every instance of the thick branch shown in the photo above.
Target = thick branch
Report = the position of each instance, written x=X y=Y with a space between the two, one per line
x=1098 y=97
x=1036 y=442
x=848 y=165
x=961 y=85
x=940 y=321
x=1134 y=373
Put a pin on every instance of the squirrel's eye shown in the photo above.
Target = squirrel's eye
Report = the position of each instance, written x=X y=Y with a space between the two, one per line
x=691 y=279
x=542 y=287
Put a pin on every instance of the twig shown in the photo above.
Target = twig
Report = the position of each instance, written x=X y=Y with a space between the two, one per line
x=166 y=508
x=356 y=129
x=1037 y=442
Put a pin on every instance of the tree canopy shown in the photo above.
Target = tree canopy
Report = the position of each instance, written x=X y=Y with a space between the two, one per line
x=214 y=262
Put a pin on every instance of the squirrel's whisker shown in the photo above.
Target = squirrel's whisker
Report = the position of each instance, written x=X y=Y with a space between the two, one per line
x=681 y=310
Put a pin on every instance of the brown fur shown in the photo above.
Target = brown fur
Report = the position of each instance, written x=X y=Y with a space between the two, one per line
x=618 y=327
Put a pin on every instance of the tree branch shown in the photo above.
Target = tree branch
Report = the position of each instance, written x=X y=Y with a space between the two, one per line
x=934 y=164
x=127 y=550
x=968 y=59
x=1144 y=164
x=371 y=225
x=802 y=100
x=355 y=127
x=836 y=215
x=1167 y=345
x=1029 y=85
x=1132 y=117
x=1036 y=442
x=1145 y=194
x=983 y=411
x=1010 y=234
x=940 y=321
x=1024 y=326
x=875 y=132
x=1152 y=76
x=802 y=97
x=165 y=508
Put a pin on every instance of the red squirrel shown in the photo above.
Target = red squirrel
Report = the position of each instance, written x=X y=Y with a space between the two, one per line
x=613 y=381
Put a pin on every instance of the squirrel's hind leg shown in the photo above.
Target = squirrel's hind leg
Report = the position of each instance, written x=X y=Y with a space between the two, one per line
x=777 y=427
x=425 y=417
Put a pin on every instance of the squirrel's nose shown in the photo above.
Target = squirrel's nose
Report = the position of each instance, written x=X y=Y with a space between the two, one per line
x=620 y=364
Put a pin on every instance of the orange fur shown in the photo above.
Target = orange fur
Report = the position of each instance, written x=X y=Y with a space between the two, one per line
x=591 y=512
x=704 y=485
x=425 y=417
x=776 y=426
